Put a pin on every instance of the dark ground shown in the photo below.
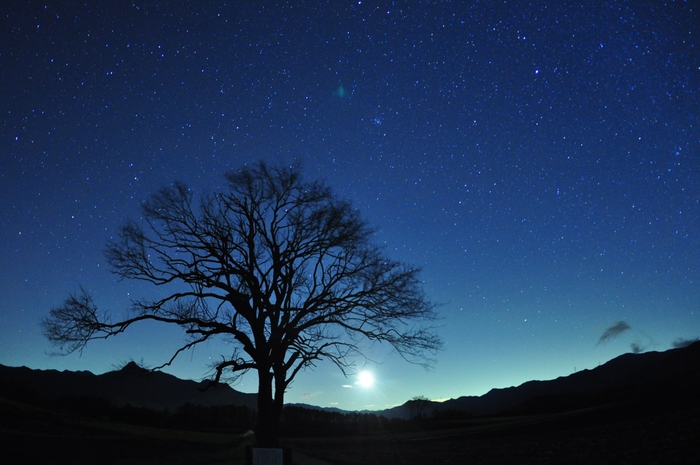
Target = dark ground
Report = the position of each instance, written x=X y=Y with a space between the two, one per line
x=645 y=431
x=611 y=435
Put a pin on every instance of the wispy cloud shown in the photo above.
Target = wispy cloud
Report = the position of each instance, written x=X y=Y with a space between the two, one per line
x=311 y=395
x=614 y=331
x=680 y=342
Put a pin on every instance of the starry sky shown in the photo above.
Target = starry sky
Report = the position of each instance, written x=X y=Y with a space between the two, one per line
x=539 y=160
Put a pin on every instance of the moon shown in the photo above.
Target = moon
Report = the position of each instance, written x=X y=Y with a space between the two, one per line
x=365 y=378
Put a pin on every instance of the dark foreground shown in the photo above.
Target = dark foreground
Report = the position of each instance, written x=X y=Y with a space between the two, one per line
x=619 y=434
x=639 y=432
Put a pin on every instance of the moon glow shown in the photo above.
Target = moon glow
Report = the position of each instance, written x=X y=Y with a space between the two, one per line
x=365 y=378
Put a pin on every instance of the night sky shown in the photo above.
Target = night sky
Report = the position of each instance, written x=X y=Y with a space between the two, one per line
x=539 y=160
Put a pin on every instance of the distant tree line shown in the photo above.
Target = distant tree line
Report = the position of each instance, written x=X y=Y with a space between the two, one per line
x=295 y=421
x=305 y=422
x=230 y=418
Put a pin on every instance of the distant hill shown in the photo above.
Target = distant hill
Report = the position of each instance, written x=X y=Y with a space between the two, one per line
x=675 y=372
x=316 y=407
x=131 y=385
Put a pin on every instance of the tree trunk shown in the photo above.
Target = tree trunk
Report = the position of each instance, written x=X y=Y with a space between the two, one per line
x=278 y=402
x=267 y=427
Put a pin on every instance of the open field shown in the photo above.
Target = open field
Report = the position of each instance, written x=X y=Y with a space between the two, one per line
x=635 y=433
x=611 y=435
x=34 y=435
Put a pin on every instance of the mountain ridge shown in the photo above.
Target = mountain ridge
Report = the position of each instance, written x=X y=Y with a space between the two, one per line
x=623 y=376
x=627 y=372
x=131 y=385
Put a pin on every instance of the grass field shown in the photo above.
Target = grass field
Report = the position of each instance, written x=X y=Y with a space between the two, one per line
x=633 y=433
x=35 y=435
x=612 y=434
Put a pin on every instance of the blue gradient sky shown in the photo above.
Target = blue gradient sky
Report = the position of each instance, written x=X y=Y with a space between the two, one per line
x=540 y=162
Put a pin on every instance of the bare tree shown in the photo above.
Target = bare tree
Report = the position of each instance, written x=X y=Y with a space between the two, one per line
x=417 y=406
x=277 y=264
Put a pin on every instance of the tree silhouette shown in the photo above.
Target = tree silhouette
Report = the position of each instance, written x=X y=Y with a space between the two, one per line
x=417 y=406
x=275 y=263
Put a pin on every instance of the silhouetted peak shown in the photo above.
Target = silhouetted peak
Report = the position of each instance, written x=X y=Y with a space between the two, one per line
x=133 y=367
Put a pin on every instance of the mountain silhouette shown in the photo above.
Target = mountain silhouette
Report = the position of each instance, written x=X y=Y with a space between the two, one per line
x=673 y=373
x=132 y=385
x=673 y=376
